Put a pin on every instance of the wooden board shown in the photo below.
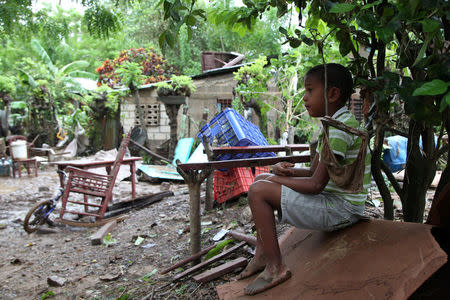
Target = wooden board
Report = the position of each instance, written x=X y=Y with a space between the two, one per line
x=375 y=259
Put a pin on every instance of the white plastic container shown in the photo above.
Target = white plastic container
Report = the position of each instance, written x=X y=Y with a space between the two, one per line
x=19 y=149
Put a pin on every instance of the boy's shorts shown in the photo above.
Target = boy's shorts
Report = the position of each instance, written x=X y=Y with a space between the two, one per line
x=324 y=211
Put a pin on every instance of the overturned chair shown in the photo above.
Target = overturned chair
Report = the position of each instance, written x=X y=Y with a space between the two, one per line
x=91 y=184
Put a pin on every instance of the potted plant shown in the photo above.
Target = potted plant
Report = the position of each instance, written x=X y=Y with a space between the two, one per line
x=175 y=91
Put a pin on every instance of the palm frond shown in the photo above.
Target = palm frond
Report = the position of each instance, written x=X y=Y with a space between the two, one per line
x=74 y=66
x=42 y=54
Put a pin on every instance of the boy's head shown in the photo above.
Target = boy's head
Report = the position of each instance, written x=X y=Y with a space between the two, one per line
x=339 y=84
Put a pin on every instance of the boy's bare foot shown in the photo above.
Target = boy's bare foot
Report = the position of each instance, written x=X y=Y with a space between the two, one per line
x=267 y=280
x=256 y=264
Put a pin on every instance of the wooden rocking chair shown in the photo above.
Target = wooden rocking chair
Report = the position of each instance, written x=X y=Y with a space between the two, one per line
x=94 y=185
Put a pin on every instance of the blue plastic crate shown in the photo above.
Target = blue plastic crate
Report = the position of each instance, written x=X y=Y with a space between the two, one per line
x=229 y=128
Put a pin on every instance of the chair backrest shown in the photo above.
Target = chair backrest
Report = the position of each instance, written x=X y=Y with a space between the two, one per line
x=13 y=138
x=120 y=155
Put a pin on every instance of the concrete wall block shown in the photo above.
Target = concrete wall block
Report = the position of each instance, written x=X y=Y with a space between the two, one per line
x=152 y=129
x=164 y=121
x=161 y=136
x=164 y=129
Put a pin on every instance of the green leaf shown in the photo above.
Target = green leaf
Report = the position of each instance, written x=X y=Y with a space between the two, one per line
x=430 y=25
x=18 y=105
x=191 y=20
x=282 y=30
x=385 y=34
x=216 y=250
x=170 y=39
x=138 y=241
x=422 y=50
x=435 y=87
x=189 y=31
x=367 y=6
x=445 y=102
x=48 y=294
x=147 y=276
x=162 y=39
x=342 y=8
x=366 y=20
x=294 y=43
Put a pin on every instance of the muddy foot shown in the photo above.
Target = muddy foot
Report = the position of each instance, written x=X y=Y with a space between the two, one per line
x=257 y=264
x=266 y=280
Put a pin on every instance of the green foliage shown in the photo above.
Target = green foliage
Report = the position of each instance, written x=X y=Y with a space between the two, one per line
x=147 y=277
x=252 y=80
x=48 y=294
x=100 y=20
x=108 y=240
x=252 y=88
x=130 y=74
x=7 y=84
x=178 y=86
x=152 y=68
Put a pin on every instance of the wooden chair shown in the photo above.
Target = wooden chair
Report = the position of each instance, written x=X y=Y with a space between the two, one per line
x=18 y=162
x=94 y=185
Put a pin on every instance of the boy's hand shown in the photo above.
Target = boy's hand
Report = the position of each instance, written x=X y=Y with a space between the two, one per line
x=283 y=169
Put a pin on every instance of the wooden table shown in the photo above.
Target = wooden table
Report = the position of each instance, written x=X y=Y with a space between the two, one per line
x=89 y=164
x=195 y=173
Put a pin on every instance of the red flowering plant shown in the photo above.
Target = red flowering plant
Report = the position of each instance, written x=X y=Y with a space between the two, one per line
x=154 y=67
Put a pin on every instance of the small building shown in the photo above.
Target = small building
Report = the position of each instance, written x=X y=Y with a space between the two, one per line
x=214 y=93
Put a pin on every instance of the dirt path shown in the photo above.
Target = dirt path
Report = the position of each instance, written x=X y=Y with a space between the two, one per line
x=99 y=272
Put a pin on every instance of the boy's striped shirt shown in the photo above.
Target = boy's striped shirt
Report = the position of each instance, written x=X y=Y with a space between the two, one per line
x=346 y=147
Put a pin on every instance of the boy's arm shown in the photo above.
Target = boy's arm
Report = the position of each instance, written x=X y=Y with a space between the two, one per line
x=287 y=169
x=307 y=172
x=306 y=185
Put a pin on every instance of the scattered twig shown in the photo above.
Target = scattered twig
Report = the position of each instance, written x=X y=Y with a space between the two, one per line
x=195 y=289
x=149 y=296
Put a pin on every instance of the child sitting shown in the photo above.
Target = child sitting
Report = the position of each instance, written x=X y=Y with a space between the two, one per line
x=307 y=198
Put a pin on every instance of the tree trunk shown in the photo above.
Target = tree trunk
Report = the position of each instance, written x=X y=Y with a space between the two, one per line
x=7 y=113
x=172 y=113
x=378 y=176
x=419 y=172
x=445 y=176
x=209 y=196
x=137 y=102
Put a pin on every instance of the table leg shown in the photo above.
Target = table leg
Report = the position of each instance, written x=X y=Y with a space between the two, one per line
x=61 y=176
x=133 y=179
x=19 y=167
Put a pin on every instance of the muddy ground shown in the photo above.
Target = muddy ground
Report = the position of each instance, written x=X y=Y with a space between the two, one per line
x=121 y=270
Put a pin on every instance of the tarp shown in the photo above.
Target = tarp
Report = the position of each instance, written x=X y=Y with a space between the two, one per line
x=395 y=155
x=169 y=171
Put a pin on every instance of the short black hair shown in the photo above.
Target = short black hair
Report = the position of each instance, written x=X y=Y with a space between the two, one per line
x=337 y=76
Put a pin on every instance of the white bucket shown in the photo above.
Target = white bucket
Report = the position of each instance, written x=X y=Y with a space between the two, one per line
x=19 y=149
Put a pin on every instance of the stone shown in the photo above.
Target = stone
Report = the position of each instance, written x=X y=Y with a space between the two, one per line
x=56 y=281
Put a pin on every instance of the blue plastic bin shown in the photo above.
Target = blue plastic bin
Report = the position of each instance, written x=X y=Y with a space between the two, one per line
x=229 y=128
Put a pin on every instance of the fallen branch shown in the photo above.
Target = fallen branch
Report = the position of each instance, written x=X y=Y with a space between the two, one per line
x=208 y=262
x=242 y=237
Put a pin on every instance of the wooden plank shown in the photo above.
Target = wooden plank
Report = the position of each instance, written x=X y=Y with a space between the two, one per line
x=259 y=149
x=139 y=201
x=220 y=270
x=248 y=162
x=189 y=259
x=208 y=262
x=242 y=237
x=97 y=238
